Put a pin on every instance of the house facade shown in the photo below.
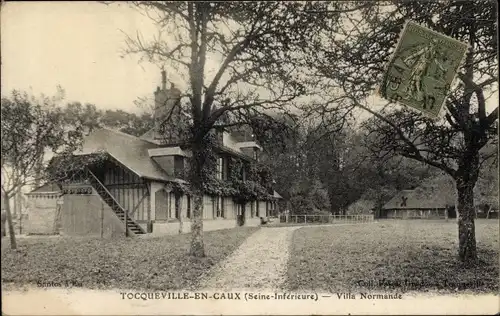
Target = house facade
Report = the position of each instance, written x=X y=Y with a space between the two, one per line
x=139 y=185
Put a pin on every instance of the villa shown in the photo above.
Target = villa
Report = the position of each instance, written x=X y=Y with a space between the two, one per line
x=141 y=186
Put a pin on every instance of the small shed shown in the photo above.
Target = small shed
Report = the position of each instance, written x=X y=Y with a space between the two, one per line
x=420 y=203
x=43 y=210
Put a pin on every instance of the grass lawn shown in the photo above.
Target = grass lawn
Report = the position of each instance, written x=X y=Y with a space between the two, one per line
x=159 y=263
x=411 y=255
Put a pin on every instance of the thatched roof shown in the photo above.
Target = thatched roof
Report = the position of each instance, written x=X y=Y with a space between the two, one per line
x=421 y=198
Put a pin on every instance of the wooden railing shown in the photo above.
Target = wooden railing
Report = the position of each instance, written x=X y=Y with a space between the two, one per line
x=325 y=219
x=130 y=225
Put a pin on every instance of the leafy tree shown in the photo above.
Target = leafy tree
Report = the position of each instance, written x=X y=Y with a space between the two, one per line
x=129 y=123
x=486 y=190
x=139 y=124
x=115 y=119
x=258 y=45
x=279 y=135
x=353 y=62
x=30 y=126
x=86 y=116
x=310 y=200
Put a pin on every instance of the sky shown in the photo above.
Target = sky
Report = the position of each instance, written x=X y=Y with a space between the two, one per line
x=78 y=46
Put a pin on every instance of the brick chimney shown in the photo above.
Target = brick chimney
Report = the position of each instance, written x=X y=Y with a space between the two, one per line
x=165 y=99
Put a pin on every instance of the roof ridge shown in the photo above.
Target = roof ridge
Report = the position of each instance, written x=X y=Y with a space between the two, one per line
x=128 y=135
x=121 y=133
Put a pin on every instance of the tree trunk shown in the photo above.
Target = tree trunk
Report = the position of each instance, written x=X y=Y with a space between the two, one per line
x=196 y=171
x=12 y=233
x=38 y=171
x=466 y=229
x=489 y=210
x=243 y=213
x=197 y=246
x=179 y=212
x=4 y=222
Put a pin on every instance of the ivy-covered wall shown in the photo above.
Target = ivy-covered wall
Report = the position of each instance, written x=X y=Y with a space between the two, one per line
x=243 y=180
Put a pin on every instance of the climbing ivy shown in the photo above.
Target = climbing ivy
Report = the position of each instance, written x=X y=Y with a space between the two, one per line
x=255 y=186
x=181 y=188
x=66 y=167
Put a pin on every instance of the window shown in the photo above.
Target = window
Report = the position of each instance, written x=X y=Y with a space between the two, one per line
x=219 y=168
x=243 y=173
x=218 y=206
x=188 y=207
x=252 y=209
x=255 y=154
x=225 y=168
x=177 y=210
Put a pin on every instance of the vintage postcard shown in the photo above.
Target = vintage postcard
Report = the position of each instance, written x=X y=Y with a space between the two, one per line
x=235 y=158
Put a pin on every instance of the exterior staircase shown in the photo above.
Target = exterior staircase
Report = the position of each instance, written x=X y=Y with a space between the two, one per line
x=132 y=227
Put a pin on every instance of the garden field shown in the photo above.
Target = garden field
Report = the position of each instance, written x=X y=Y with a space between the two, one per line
x=160 y=263
x=412 y=255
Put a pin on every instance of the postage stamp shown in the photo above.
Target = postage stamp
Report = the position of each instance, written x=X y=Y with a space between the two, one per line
x=422 y=69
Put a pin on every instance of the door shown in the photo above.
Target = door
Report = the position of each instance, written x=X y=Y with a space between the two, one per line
x=161 y=205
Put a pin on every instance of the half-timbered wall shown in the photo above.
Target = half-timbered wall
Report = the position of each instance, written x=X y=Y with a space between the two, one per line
x=129 y=190
x=229 y=208
x=261 y=209
x=208 y=207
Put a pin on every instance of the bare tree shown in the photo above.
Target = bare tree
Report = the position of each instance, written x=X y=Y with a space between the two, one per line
x=353 y=62
x=30 y=127
x=238 y=58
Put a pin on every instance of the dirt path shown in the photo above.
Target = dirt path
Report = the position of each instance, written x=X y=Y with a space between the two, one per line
x=259 y=263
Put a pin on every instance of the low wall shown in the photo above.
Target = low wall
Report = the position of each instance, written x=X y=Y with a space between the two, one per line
x=42 y=213
x=172 y=228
